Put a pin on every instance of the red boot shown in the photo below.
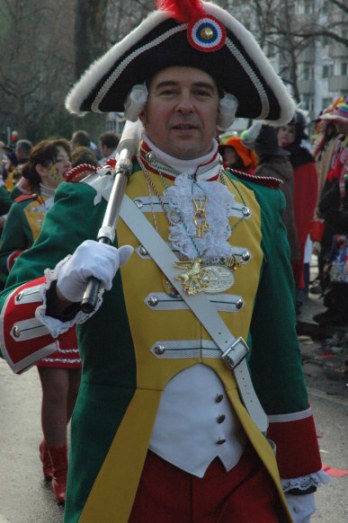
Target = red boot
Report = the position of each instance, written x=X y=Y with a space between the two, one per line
x=59 y=460
x=46 y=461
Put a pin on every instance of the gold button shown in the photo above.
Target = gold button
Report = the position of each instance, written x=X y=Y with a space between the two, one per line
x=207 y=33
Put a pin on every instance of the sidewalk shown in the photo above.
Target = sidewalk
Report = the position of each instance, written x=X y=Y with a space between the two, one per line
x=324 y=349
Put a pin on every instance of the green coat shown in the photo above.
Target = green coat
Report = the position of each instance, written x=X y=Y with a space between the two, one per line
x=22 y=227
x=112 y=354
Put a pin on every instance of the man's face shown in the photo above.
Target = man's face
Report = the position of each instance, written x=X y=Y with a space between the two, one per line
x=181 y=112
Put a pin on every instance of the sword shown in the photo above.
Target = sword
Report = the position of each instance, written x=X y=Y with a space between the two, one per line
x=127 y=148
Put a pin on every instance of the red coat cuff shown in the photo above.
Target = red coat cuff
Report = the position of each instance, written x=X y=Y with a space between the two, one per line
x=24 y=339
x=297 y=445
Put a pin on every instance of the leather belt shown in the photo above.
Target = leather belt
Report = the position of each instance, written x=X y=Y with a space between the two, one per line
x=233 y=350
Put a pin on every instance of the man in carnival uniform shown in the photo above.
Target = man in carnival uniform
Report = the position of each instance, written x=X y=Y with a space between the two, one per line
x=159 y=430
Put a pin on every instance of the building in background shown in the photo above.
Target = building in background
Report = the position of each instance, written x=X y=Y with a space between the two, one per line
x=323 y=65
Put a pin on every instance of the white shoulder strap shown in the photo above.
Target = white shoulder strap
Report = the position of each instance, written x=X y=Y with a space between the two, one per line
x=233 y=350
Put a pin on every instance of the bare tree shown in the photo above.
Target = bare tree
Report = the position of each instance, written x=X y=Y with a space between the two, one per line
x=35 y=66
x=286 y=36
x=90 y=33
x=314 y=28
x=124 y=16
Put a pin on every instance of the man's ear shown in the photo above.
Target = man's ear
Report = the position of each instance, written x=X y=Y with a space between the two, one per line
x=142 y=117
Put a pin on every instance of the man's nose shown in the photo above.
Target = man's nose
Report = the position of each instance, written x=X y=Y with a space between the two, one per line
x=185 y=103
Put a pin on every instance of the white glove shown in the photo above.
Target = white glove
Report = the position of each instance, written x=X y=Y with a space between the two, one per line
x=91 y=258
x=301 y=507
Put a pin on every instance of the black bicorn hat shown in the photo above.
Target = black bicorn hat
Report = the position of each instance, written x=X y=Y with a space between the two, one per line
x=186 y=33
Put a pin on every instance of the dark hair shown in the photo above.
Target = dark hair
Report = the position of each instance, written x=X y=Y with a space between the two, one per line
x=81 y=138
x=83 y=155
x=25 y=146
x=44 y=153
x=109 y=139
x=300 y=124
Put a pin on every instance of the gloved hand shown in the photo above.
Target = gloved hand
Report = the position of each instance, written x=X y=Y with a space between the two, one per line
x=301 y=507
x=91 y=258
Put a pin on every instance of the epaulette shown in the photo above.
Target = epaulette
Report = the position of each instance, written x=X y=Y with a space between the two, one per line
x=78 y=173
x=24 y=197
x=268 y=181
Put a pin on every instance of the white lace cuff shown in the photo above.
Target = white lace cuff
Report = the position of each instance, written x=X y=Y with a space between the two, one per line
x=54 y=325
x=305 y=482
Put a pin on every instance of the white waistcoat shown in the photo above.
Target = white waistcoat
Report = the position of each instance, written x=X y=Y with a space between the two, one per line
x=195 y=411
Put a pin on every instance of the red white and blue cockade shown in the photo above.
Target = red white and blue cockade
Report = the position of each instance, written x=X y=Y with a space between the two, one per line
x=206 y=34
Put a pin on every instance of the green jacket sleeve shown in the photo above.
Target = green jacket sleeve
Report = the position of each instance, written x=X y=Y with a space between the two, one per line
x=278 y=380
x=16 y=235
x=5 y=201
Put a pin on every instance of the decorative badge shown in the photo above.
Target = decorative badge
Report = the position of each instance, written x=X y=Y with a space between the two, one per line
x=207 y=34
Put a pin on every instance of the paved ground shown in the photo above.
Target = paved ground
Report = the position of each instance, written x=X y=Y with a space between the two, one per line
x=324 y=350
x=325 y=356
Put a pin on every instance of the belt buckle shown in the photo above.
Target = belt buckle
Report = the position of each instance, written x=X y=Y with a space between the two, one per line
x=236 y=353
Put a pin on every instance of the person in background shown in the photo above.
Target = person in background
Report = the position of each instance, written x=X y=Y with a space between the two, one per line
x=327 y=143
x=159 y=415
x=294 y=139
x=325 y=150
x=59 y=373
x=273 y=162
x=5 y=198
x=82 y=138
x=236 y=156
x=22 y=153
x=5 y=204
x=108 y=144
x=3 y=160
x=333 y=208
x=83 y=155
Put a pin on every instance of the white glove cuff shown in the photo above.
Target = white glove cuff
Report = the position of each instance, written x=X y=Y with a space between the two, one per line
x=55 y=326
x=301 y=507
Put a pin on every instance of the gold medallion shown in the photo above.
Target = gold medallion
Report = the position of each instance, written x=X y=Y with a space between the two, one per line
x=220 y=279
x=195 y=278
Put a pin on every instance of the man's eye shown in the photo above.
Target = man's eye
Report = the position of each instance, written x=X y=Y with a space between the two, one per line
x=203 y=93
x=167 y=92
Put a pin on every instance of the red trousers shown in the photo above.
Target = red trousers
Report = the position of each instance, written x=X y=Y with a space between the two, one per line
x=167 y=494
